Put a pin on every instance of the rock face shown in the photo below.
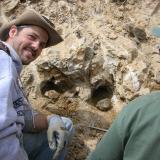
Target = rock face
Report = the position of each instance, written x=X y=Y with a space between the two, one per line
x=102 y=64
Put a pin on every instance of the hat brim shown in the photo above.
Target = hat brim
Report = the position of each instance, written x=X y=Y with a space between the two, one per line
x=31 y=17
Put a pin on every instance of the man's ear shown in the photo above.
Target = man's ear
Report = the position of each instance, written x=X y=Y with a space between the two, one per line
x=12 y=31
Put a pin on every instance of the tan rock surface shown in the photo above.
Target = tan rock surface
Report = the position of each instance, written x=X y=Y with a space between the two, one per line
x=97 y=60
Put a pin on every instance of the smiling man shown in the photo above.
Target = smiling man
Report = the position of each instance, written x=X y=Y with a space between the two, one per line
x=28 y=43
x=24 y=133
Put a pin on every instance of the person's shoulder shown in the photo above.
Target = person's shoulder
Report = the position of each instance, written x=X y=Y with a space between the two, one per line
x=147 y=98
x=5 y=64
x=4 y=58
x=144 y=101
x=142 y=105
x=4 y=54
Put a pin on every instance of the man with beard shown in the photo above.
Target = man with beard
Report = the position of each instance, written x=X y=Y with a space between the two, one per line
x=25 y=133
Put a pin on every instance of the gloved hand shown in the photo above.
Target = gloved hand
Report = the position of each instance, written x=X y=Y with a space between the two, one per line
x=57 y=134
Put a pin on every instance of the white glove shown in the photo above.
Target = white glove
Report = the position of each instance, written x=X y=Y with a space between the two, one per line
x=57 y=134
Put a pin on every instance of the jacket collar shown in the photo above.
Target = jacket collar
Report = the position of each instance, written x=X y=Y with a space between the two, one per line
x=15 y=57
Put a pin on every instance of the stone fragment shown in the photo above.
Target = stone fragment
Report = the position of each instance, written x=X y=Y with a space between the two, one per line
x=52 y=94
x=104 y=104
x=112 y=36
x=157 y=77
x=136 y=32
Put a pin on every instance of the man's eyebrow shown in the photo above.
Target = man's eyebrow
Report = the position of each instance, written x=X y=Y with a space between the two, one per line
x=37 y=36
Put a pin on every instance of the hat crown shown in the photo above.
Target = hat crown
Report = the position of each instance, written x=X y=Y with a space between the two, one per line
x=31 y=17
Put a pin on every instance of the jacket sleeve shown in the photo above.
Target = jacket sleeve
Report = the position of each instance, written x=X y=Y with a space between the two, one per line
x=10 y=146
x=8 y=114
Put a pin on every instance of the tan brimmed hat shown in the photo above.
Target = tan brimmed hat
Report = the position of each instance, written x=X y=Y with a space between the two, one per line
x=31 y=17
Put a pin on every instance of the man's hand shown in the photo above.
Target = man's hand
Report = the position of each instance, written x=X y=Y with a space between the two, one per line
x=57 y=134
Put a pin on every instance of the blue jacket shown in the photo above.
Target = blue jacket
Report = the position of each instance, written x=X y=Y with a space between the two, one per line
x=12 y=106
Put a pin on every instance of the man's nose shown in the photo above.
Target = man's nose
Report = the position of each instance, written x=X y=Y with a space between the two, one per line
x=36 y=45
